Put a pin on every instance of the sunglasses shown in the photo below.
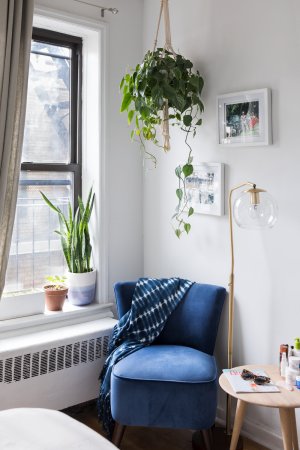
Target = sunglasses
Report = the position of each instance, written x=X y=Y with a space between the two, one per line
x=257 y=379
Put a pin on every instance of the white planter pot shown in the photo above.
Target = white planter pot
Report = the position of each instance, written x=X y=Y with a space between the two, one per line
x=82 y=287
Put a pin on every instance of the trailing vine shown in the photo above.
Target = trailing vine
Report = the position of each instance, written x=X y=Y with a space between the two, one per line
x=164 y=88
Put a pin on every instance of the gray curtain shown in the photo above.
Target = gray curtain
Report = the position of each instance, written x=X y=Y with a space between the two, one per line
x=15 y=37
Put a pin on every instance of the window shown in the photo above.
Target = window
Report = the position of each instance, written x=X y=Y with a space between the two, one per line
x=51 y=158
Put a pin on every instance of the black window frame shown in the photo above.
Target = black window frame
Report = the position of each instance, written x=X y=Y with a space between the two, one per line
x=74 y=43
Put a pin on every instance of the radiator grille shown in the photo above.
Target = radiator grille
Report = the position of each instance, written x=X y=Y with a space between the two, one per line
x=30 y=365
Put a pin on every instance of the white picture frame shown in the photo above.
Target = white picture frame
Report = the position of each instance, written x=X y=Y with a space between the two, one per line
x=205 y=188
x=244 y=118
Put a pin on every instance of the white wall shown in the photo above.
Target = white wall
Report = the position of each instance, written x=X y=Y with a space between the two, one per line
x=123 y=208
x=237 y=46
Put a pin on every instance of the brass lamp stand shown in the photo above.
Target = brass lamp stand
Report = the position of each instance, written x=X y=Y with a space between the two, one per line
x=254 y=209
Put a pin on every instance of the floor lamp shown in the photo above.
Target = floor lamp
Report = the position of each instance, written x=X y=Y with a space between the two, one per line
x=254 y=208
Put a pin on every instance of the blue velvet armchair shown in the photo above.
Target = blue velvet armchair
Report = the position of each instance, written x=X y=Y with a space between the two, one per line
x=172 y=383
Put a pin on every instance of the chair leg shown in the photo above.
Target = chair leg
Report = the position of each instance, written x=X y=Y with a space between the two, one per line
x=118 y=434
x=207 y=438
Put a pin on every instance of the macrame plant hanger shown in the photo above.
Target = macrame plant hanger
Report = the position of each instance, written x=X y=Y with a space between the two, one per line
x=164 y=9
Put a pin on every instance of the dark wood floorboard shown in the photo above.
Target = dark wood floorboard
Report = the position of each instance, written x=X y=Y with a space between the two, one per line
x=140 y=438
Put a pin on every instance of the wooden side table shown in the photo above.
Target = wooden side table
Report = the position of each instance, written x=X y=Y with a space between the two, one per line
x=286 y=401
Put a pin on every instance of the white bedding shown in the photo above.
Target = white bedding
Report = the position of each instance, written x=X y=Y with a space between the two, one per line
x=45 y=429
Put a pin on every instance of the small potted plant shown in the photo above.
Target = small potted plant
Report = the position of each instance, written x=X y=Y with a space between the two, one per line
x=76 y=244
x=55 y=292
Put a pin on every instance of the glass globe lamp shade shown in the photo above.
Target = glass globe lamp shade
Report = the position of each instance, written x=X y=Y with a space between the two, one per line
x=255 y=209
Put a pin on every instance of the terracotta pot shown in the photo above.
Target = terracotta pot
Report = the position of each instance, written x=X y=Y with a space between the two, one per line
x=55 y=298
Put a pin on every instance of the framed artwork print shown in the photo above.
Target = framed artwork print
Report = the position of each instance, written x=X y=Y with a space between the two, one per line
x=205 y=189
x=244 y=118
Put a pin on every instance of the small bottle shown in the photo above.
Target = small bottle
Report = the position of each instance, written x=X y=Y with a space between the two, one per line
x=283 y=348
x=298 y=382
x=283 y=364
x=290 y=376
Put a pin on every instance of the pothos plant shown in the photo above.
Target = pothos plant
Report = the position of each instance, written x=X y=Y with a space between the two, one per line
x=162 y=88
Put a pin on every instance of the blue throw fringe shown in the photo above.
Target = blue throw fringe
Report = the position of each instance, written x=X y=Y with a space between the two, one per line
x=153 y=302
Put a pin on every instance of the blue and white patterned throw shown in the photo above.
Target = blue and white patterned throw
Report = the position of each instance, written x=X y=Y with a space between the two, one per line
x=153 y=302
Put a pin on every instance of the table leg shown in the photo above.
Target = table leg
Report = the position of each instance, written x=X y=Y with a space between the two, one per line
x=294 y=429
x=238 y=422
x=286 y=428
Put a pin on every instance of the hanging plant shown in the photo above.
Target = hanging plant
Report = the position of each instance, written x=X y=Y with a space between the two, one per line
x=164 y=88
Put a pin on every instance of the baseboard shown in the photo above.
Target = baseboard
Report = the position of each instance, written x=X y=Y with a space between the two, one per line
x=255 y=431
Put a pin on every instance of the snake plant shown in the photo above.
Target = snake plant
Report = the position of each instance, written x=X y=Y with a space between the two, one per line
x=74 y=233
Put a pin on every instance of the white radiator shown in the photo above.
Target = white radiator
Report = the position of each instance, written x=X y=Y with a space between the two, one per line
x=54 y=369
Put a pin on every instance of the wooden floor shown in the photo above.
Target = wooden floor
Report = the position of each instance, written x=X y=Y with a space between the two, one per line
x=139 y=438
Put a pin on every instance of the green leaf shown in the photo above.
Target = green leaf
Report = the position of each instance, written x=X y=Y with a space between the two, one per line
x=49 y=203
x=178 y=171
x=70 y=214
x=142 y=84
x=194 y=80
x=200 y=84
x=122 y=83
x=169 y=92
x=190 y=159
x=56 y=209
x=130 y=116
x=81 y=205
x=187 y=120
x=199 y=122
x=179 y=102
x=187 y=170
x=191 y=211
x=126 y=101
x=177 y=73
x=156 y=91
x=145 y=112
x=179 y=193
x=178 y=233
x=187 y=227
x=188 y=64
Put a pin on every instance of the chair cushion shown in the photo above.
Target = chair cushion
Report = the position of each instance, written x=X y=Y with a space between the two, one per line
x=150 y=384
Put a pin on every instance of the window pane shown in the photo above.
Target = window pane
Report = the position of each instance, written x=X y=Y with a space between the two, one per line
x=35 y=249
x=47 y=126
x=58 y=50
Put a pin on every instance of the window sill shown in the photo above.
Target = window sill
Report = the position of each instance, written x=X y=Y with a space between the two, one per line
x=55 y=319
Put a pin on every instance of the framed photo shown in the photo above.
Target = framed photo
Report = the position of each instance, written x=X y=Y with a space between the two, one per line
x=205 y=189
x=244 y=118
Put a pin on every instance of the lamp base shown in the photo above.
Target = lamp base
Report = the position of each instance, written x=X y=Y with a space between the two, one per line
x=221 y=440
